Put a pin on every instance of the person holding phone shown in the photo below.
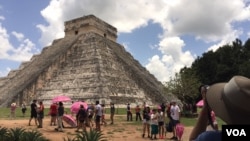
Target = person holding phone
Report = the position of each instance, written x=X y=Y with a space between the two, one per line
x=229 y=101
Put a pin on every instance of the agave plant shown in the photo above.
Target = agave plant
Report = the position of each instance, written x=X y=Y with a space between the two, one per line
x=3 y=134
x=15 y=134
x=20 y=134
x=33 y=136
x=91 y=135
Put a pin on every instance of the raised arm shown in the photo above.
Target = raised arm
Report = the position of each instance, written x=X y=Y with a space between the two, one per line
x=202 y=121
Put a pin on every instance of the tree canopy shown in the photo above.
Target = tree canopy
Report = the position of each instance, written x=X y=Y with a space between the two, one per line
x=212 y=67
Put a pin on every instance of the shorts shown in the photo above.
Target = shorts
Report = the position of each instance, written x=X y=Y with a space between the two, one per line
x=40 y=116
x=175 y=122
x=146 y=121
x=161 y=123
x=98 y=119
x=53 y=114
x=23 y=110
x=33 y=115
x=154 y=129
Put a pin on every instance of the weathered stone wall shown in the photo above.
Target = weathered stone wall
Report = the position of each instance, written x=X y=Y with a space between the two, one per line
x=87 y=66
x=23 y=77
x=90 y=23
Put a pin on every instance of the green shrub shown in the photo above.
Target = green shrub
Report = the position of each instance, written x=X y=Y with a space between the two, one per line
x=91 y=135
x=20 y=134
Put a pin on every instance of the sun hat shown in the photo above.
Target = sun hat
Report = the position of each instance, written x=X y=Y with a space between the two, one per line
x=231 y=101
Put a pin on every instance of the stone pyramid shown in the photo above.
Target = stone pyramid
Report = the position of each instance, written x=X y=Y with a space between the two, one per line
x=87 y=64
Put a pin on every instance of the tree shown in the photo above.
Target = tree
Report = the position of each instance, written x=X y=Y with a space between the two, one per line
x=184 y=86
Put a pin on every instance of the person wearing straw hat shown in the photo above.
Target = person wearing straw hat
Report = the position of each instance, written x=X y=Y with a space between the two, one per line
x=229 y=101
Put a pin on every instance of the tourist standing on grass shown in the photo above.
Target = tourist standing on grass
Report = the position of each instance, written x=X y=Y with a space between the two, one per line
x=53 y=113
x=163 y=109
x=13 y=110
x=33 y=112
x=129 y=113
x=154 y=124
x=168 y=111
x=91 y=110
x=175 y=116
x=81 y=118
x=138 y=113
x=103 y=115
x=40 y=114
x=112 y=112
x=161 y=123
x=98 y=115
x=23 y=106
x=146 y=121
x=60 y=112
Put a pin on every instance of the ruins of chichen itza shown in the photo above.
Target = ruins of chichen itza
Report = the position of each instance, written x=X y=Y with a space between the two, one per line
x=86 y=64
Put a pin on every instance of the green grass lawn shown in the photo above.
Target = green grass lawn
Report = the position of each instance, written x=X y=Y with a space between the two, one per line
x=5 y=112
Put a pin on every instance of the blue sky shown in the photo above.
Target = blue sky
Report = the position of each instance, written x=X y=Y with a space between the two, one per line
x=163 y=35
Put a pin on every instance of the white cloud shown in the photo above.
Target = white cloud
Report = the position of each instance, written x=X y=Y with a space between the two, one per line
x=209 y=21
x=5 y=45
x=2 y=18
x=226 y=40
x=19 y=36
x=23 y=52
x=173 y=58
x=124 y=15
x=158 y=68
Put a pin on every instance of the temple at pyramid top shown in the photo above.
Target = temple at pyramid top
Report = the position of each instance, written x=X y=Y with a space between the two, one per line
x=90 y=23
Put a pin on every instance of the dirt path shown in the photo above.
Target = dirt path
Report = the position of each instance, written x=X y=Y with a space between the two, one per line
x=120 y=131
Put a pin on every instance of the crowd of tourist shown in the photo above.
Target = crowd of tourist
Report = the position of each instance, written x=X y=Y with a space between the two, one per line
x=154 y=118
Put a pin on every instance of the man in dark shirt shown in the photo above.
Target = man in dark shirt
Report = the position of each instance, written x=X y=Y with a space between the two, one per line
x=112 y=112
x=60 y=113
x=33 y=110
x=129 y=113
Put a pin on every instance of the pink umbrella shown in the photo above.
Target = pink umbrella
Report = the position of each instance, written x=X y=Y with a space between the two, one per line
x=200 y=103
x=61 y=98
x=69 y=120
x=76 y=106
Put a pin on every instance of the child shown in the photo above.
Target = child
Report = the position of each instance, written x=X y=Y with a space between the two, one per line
x=161 y=123
x=103 y=115
x=154 y=124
